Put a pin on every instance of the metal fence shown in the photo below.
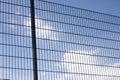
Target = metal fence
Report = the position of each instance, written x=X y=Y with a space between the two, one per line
x=43 y=40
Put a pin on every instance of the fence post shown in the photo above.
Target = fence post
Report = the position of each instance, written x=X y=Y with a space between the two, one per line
x=34 y=51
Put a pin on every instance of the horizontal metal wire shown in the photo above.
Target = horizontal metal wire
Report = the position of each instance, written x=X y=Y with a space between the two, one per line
x=79 y=53
x=27 y=16
x=66 y=62
x=78 y=34
x=80 y=8
x=11 y=13
x=68 y=14
x=61 y=51
x=64 y=32
x=71 y=24
x=78 y=17
x=80 y=44
x=79 y=73
x=77 y=25
x=61 y=32
x=60 y=72
x=14 y=4
x=16 y=68
x=72 y=43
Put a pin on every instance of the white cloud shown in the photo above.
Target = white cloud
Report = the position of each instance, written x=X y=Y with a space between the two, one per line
x=43 y=30
x=88 y=69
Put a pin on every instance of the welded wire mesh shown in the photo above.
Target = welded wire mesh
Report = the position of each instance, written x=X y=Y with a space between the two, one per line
x=15 y=41
x=72 y=43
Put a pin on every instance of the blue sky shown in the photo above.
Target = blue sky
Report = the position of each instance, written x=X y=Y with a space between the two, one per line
x=60 y=42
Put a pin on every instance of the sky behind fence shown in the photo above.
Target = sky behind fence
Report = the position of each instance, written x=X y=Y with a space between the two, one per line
x=72 y=43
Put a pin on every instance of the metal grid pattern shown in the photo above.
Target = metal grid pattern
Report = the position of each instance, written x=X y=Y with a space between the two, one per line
x=71 y=43
x=15 y=41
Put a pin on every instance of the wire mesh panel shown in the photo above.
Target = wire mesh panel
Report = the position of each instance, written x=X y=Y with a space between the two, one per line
x=72 y=43
x=76 y=44
x=15 y=40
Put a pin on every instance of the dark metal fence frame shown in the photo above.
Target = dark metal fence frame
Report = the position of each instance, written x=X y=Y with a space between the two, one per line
x=34 y=40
